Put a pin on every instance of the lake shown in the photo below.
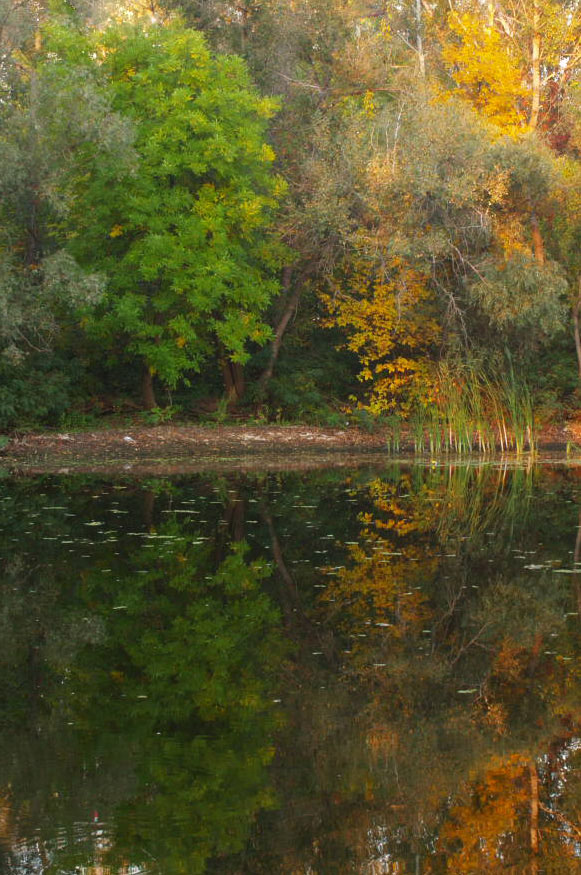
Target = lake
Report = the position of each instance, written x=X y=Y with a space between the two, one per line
x=358 y=670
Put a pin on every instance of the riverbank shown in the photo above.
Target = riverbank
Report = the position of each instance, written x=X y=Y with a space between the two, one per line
x=190 y=448
x=203 y=445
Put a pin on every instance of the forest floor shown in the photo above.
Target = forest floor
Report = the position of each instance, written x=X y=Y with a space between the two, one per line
x=196 y=447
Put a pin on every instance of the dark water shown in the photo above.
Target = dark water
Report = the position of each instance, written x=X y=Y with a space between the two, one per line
x=374 y=671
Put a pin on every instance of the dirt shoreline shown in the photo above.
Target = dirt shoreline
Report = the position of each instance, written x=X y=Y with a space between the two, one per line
x=185 y=447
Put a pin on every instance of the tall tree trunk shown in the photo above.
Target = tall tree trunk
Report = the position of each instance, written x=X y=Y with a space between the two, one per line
x=491 y=13
x=33 y=244
x=244 y=24
x=536 y=66
x=538 y=242
x=233 y=374
x=290 y=306
x=420 y=39
x=576 y=312
x=147 y=390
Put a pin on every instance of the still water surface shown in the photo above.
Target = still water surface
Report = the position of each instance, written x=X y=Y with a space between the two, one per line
x=367 y=671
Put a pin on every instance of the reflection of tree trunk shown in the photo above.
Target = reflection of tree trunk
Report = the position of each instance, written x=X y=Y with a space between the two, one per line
x=278 y=554
x=148 y=505
x=234 y=518
x=571 y=827
x=534 y=818
x=233 y=380
x=231 y=528
x=42 y=853
x=535 y=654
x=8 y=836
x=290 y=306
x=576 y=560
x=289 y=595
x=576 y=312
x=290 y=599
x=147 y=390
x=536 y=66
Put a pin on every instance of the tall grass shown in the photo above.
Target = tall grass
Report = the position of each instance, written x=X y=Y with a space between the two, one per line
x=474 y=412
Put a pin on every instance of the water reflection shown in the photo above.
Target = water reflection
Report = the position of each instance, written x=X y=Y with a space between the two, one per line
x=367 y=671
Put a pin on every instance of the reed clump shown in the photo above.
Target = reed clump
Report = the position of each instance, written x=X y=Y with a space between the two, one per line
x=471 y=411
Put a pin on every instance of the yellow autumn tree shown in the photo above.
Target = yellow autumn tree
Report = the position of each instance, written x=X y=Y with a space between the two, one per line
x=389 y=315
x=485 y=72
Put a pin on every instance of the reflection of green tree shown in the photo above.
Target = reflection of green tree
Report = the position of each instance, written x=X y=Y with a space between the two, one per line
x=184 y=682
x=162 y=659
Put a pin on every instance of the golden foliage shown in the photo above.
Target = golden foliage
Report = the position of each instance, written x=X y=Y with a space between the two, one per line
x=390 y=319
x=485 y=72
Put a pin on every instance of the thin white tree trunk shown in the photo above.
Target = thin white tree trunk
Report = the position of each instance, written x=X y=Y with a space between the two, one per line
x=536 y=66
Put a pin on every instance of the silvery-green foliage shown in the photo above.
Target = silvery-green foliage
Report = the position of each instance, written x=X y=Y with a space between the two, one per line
x=67 y=283
x=18 y=21
x=34 y=302
x=430 y=179
x=531 y=168
x=460 y=204
x=49 y=138
x=521 y=294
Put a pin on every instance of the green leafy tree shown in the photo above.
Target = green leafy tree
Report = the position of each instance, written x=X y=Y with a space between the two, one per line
x=184 y=238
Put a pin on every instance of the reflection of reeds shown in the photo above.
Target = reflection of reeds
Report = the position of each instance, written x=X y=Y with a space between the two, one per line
x=476 y=499
x=474 y=412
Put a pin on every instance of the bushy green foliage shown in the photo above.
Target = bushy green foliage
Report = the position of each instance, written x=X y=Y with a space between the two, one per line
x=184 y=237
x=36 y=391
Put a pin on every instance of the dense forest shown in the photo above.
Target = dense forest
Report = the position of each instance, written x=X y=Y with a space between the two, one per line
x=314 y=210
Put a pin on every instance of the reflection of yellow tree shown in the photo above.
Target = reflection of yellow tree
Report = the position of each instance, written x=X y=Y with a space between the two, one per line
x=376 y=589
x=377 y=597
x=484 y=831
x=500 y=823
x=380 y=602
x=421 y=739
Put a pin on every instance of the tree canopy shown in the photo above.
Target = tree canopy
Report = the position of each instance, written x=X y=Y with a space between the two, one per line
x=197 y=191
